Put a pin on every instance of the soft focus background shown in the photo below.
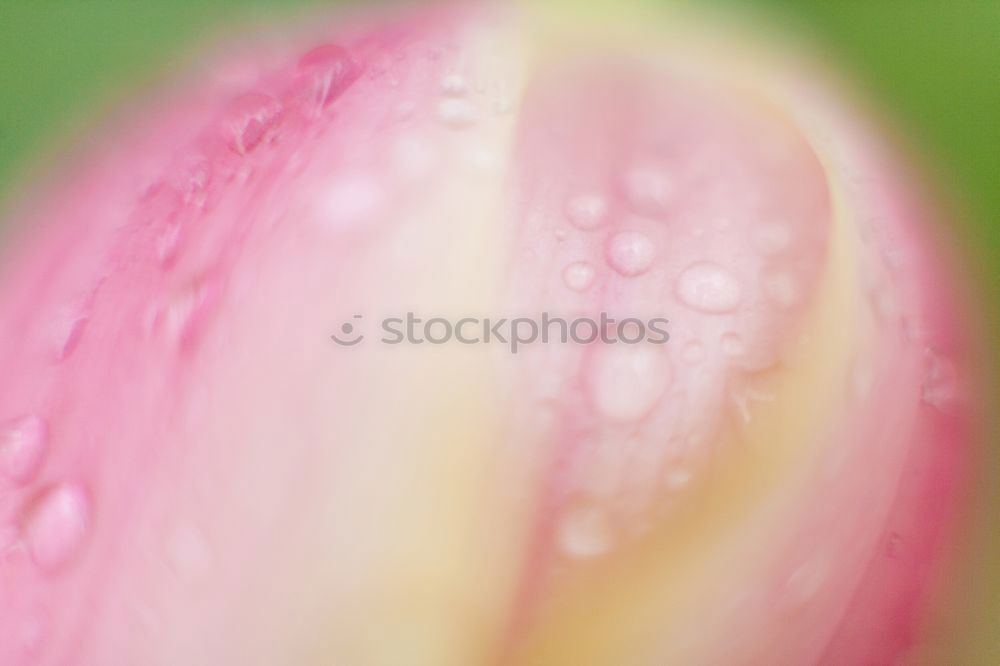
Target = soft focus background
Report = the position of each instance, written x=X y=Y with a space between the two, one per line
x=933 y=65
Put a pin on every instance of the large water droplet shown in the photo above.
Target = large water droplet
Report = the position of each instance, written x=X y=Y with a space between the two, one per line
x=23 y=444
x=251 y=119
x=627 y=381
x=587 y=211
x=586 y=531
x=630 y=253
x=579 y=276
x=57 y=525
x=708 y=287
x=329 y=71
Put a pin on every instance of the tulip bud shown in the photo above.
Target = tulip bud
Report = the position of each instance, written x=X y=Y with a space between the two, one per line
x=481 y=334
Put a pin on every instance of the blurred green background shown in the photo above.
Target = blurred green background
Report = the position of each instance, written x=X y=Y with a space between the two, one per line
x=934 y=65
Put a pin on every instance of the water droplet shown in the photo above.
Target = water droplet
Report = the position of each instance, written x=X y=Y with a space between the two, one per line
x=328 y=71
x=781 y=289
x=627 y=381
x=940 y=384
x=457 y=113
x=23 y=444
x=708 y=287
x=587 y=211
x=649 y=190
x=193 y=180
x=579 y=276
x=586 y=532
x=252 y=118
x=630 y=253
x=693 y=352
x=67 y=328
x=454 y=85
x=57 y=525
x=184 y=315
x=732 y=345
